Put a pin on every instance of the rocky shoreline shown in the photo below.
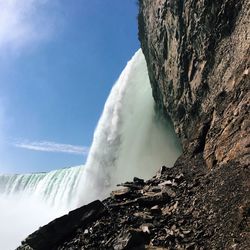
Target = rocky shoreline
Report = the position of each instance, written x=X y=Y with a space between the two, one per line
x=198 y=58
x=179 y=208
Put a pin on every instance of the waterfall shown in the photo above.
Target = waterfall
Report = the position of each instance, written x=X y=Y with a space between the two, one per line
x=56 y=188
x=130 y=140
x=28 y=201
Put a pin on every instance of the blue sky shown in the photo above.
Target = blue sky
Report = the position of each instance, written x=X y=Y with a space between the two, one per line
x=58 y=62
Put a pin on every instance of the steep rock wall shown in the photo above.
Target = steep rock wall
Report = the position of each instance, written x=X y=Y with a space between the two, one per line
x=197 y=54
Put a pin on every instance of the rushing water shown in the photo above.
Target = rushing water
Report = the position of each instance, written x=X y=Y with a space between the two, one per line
x=57 y=188
x=129 y=140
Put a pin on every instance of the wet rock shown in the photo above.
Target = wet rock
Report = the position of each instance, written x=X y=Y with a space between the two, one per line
x=131 y=185
x=151 y=199
x=179 y=178
x=162 y=172
x=177 y=222
x=155 y=209
x=146 y=228
x=144 y=215
x=155 y=248
x=138 y=181
x=121 y=193
x=168 y=182
x=167 y=191
x=50 y=235
x=131 y=239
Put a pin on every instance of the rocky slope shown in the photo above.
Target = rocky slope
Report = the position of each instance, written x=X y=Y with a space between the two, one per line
x=180 y=208
x=197 y=53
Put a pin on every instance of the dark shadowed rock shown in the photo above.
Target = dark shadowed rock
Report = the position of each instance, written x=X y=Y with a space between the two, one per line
x=131 y=239
x=121 y=193
x=57 y=231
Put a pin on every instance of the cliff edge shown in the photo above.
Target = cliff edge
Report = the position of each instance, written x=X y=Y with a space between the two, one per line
x=197 y=54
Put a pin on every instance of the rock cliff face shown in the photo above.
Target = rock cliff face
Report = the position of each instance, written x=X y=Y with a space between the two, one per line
x=197 y=53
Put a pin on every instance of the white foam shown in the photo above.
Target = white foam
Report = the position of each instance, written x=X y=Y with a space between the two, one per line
x=130 y=140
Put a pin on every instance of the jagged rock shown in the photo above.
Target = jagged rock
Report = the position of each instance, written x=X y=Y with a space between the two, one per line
x=168 y=182
x=139 y=181
x=161 y=172
x=131 y=240
x=52 y=234
x=155 y=209
x=155 y=248
x=168 y=191
x=181 y=221
x=121 y=193
x=146 y=228
x=151 y=199
x=131 y=185
x=197 y=54
x=144 y=215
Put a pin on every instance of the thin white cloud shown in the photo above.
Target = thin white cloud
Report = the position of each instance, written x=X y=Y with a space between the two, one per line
x=47 y=146
x=25 y=23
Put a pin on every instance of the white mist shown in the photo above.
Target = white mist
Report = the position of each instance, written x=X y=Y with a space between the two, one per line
x=129 y=141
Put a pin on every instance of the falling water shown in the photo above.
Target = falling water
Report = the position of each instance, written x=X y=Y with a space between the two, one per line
x=130 y=140
x=56 y=188
x=30 y=200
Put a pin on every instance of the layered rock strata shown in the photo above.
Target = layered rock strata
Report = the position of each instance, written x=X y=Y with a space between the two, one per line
x=197 y=54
